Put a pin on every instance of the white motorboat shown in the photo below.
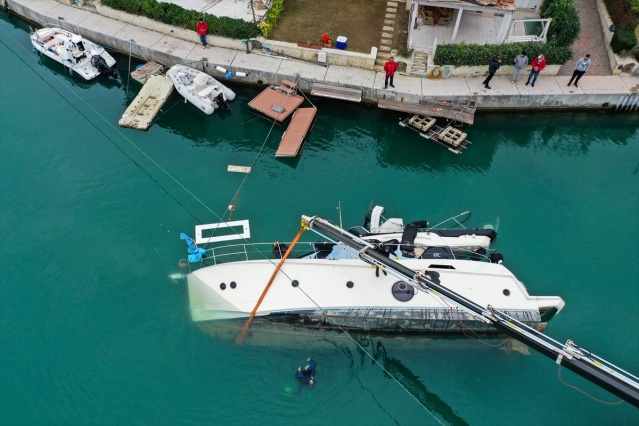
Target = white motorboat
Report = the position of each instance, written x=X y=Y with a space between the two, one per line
x=418 y=239
x=199 y=88
x=332 y=285
x=78 y=54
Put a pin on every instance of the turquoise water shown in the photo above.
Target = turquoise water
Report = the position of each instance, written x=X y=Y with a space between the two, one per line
x=95 y=331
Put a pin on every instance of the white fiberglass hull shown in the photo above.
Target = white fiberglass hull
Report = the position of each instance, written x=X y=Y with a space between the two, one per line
x=198 y=87
x=72 y=51
x=324 y=294
x=468 y=242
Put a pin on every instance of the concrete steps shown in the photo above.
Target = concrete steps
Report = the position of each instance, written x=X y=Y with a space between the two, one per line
x=420 y=64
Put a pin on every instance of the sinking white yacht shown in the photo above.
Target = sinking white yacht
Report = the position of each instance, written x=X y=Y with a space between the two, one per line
x=78 y=54
x=346 y=282
x=199 y=88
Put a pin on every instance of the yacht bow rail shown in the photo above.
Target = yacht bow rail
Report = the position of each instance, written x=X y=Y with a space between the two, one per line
x=579 y=360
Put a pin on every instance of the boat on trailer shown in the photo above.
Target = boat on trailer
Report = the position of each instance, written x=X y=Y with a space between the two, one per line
x=79 y=55
x=450 y=136
x=329 y=285
x=199 y=88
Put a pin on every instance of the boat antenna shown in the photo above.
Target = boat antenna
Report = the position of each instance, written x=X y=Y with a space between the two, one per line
x=339 y=207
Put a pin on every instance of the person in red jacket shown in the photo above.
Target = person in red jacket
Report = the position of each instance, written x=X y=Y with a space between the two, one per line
x=538 y=64
x=202 y=28
x=390 y=67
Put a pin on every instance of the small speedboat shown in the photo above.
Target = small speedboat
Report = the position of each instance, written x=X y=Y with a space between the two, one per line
x=78 y=54
x=199 y=88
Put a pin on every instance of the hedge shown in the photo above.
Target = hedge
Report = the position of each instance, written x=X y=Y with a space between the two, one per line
x=622 y=40
x=479 y=54
x=172 y=14
x=625 y=16
x=565 y=26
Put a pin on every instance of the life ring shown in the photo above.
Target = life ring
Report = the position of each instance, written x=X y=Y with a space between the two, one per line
x=436 y=74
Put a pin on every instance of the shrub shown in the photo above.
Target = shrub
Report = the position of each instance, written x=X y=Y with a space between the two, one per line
x=479 y=54
x=623 y=39
x=266 y=27
x=172 y=14
x=565 y=26
x=624 y=13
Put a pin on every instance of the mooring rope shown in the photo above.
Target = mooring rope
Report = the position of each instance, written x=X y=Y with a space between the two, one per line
x=174 y=179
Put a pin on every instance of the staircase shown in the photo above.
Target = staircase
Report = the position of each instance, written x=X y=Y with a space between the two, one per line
x=420 y=64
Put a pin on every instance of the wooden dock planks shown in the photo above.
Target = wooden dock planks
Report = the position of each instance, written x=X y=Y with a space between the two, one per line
x=292 y=141
x=464 y=113
x=336 y=92
x=146 y=105
x=277 y=102
x=143 y=73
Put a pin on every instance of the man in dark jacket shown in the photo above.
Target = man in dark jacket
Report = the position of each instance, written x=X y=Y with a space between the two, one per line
x=493 y=66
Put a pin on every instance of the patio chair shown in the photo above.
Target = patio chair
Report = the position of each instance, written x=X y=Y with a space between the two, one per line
x=428 y=20
x=443 y=21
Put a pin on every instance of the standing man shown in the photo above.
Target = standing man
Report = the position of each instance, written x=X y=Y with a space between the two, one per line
x=493 y=66
x=538 y=64
x=390 y=67
x=520 y=62
x=580 y=69
x=202 y=28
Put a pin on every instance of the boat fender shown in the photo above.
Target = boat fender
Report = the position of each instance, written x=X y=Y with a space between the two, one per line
x=220 y=69
x=240 y=74
x=229 y=74
x=497 y=257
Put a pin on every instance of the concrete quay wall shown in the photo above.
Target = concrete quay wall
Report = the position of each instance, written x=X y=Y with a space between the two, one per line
x=159 y=44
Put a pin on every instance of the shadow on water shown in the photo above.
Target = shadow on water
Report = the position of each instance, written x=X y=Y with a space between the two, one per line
x=394 y=368
x=346 y=351
x=556 y=133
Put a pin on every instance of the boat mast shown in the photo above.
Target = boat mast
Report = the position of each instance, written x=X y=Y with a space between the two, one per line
x=580 y=361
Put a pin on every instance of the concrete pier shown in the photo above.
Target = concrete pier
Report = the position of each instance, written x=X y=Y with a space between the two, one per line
x=549 y=93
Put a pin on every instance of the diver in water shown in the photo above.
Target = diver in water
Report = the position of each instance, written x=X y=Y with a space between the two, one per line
x=306 y=375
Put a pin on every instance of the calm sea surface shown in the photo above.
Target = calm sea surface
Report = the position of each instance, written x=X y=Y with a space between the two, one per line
x=93 y=329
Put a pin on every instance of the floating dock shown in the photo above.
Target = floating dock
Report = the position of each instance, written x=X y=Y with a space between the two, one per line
x=143 y=73
x=277 y=102
x=464 y=113
x=336 y=92
x=449 y=136
x=292 y=142
x=146 y=105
